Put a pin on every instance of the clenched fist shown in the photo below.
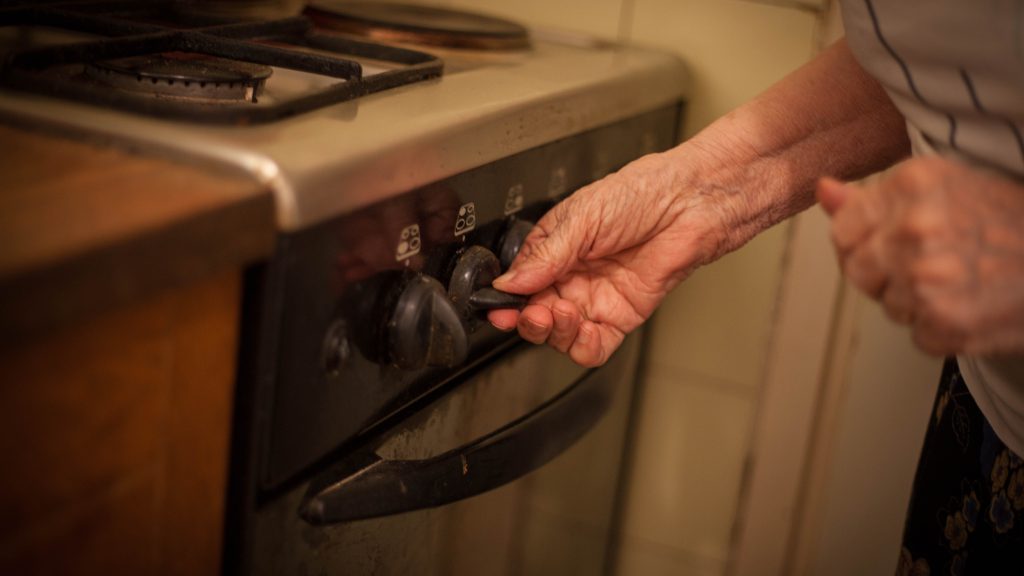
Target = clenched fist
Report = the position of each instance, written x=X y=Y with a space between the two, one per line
x=941 y=246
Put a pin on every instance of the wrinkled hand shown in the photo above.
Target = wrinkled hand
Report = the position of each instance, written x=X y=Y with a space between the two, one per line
x=941 y=246
x=600 y=262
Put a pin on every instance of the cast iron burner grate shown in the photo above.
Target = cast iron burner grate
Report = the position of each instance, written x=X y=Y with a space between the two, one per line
x=156 y=59
x=176 y=74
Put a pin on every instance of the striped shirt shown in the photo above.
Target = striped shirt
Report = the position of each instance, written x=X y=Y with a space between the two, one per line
x=955 y=69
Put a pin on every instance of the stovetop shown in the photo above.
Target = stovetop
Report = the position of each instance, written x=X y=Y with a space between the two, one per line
x=159 y=59
x=340 y=122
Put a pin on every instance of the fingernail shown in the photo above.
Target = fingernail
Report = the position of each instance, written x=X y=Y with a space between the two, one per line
x=503 y=328
x=505 y=278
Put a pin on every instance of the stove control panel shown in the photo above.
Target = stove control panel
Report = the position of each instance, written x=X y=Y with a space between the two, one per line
x=363 y=315
x=428 y=325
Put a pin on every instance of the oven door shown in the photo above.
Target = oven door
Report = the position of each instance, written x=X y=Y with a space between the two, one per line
x=514 y=471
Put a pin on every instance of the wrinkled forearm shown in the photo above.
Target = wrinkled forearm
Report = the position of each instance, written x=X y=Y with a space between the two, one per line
x=760 y=162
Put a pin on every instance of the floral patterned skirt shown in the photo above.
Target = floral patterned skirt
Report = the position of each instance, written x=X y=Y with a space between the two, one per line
x=966 y=515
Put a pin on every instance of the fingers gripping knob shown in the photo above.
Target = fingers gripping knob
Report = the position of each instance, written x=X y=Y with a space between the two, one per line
x=470 y=286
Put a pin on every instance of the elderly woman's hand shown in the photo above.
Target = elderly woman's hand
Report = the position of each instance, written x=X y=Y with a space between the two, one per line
x=941 y=245
x=600 y=262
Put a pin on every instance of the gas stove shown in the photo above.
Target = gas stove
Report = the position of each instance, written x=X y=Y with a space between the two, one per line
x=158 y=59
x=335 y=113
x=409 y=150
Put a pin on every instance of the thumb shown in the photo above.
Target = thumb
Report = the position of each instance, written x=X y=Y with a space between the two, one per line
x=549 y=251
x=831 y=194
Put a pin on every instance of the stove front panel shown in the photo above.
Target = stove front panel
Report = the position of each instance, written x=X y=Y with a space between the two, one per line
x=325 y=373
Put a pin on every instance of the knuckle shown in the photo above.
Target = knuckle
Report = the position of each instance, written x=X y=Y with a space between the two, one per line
x=922 y=169
x=914 y=176
x=918 y=225
x=928 y=272
x=537 y=249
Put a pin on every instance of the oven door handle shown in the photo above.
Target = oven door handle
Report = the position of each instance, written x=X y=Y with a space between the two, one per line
x=368 y=486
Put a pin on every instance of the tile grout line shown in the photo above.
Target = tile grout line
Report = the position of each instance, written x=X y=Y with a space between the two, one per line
x=809 y=6
x=677 y=553
x=626 y=9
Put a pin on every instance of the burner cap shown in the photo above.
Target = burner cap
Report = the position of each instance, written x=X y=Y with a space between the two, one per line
x=183 y=75
x=419 y=24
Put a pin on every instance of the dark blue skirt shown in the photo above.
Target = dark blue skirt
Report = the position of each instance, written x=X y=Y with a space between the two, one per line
x=966 y=514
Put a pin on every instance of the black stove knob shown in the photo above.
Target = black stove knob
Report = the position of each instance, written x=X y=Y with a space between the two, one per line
x=470 y=286
x=425 y=329
x=512 y=241
x=475 y=268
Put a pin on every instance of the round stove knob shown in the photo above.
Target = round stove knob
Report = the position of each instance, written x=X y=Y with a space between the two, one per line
x=475 y=269
x=513 y=241
x=425 y=329
x=470 y=287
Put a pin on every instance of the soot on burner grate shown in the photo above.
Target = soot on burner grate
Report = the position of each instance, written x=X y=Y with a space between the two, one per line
x=183 y=75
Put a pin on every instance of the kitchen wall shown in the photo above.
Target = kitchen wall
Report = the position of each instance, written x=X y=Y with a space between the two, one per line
x=710 y=340
x=840 y=422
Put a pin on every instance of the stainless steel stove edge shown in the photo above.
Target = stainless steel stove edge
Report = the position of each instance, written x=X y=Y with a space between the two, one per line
x=330 y=162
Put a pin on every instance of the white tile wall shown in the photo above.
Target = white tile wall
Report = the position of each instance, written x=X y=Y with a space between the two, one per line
x=734 y=48
x=878 y=435
x=599 y=17
x=691 y=444
x=718 y=322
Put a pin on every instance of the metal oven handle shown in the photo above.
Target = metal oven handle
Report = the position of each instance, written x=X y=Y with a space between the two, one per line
x=368 y=486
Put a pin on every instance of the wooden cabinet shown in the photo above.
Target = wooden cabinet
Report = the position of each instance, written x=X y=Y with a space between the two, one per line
x=114 y=435
x=120 y=295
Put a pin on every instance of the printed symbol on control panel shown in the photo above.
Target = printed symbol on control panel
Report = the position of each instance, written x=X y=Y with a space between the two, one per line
x=557 y=182
x=514 y=200
x=466 y=220
x=408 y=243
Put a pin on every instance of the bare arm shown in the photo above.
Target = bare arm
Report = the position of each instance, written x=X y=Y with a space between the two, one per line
x=827 y=118
x=599 y=263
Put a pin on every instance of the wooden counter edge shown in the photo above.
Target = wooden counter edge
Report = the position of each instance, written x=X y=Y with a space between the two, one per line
x=225 y=220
